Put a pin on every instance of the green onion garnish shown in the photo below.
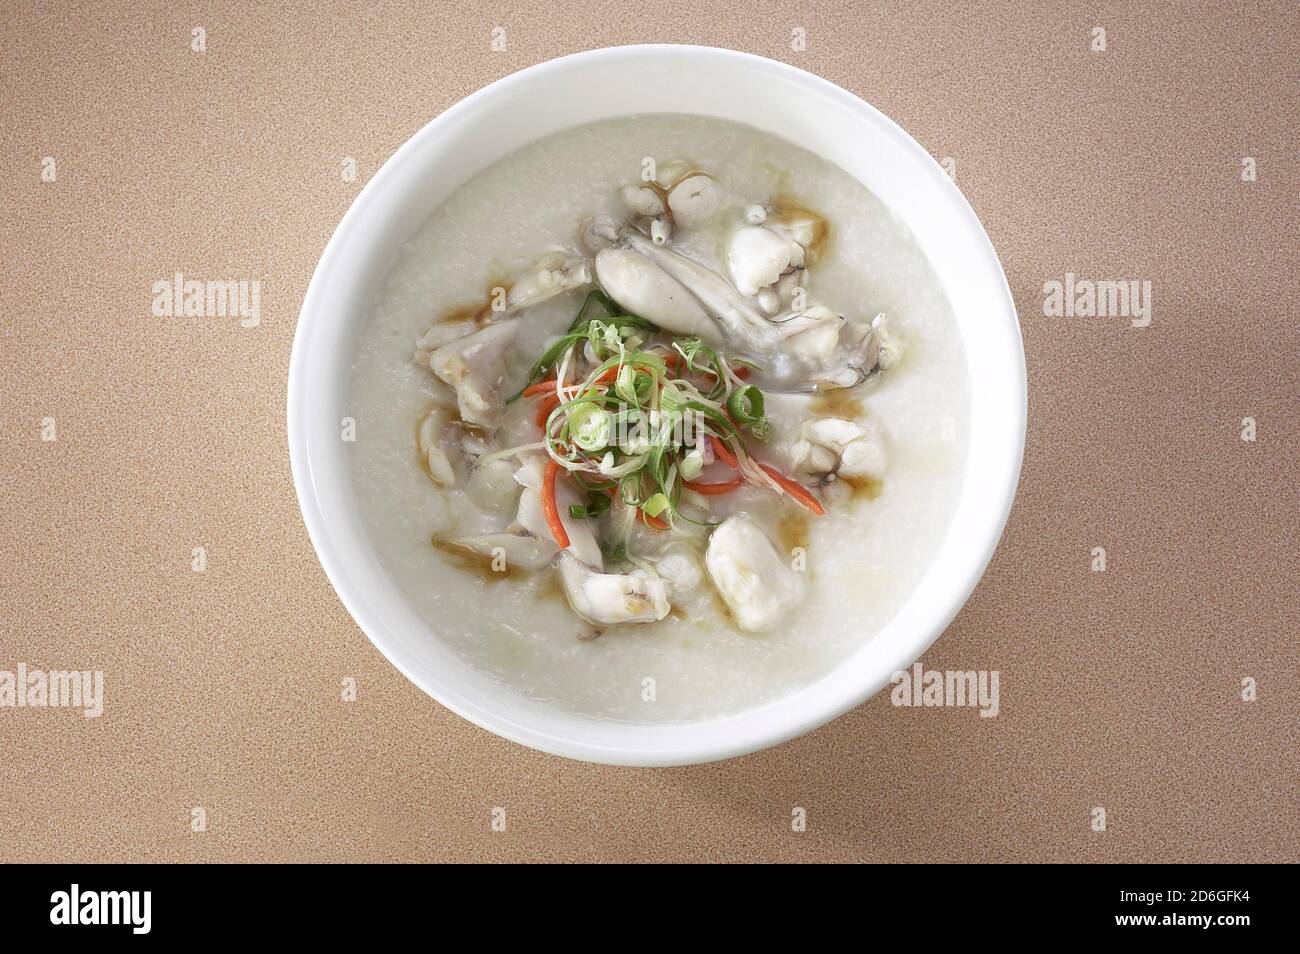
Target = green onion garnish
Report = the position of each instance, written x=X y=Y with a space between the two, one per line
x=656 y=505
x=590 y=426
x=745 y=405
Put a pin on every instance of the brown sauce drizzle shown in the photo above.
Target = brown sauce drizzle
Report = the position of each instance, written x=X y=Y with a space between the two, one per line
x=863 y=488
x=548 y=588
x=470 y=561
x=840 y=402
x=476 y=312
x=479 y=312
x=792 y=529
x=843 y=403
x=660 y=191
x=784 y=205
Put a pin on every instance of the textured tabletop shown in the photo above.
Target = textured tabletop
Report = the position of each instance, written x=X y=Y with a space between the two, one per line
x=1148 y=710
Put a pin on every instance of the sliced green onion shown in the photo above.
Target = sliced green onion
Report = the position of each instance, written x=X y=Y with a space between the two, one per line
x=671 y=398
x=596 y=305
x=597 y=504
x=745 y=405
x=590 y=426
x=551 y=356
x=604 y=337
x=631 y=465
x=718 y=421
x=625 y=385
x=579 y=333
x=692 y=464
x=656 y=505
x=629 y=489
x=644 y=384
x=621 y=432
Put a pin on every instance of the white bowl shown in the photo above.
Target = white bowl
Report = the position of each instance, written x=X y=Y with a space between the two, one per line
x=597 y=85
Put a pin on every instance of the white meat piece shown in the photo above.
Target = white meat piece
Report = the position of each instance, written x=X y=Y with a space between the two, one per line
x=832 y=445
x=757 y=257
x=546 y=278
x=890 y=349
x=644 y=289
x=681 y=570
x=668 y=174
x=736 y=313
x=441 y=333
x=474 y=366
x=532 y=518
x=801 y=225
x=643 y=200
x=609 y=598
x=430 y=441
x=595 y=234
x=491 y=486
x=757 y=585
x=694 y=199
x=811 y=335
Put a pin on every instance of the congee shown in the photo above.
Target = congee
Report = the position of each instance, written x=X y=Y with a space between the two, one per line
x=658 y=418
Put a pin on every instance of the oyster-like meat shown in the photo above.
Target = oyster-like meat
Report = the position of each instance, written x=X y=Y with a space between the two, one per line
x=757 y=257
x=834 y=446
x=694 y=199
x=643 y=200
x=866 y=349
x=475 y=366
x=681 y=569
x=889 y=348
x=491 y=486
x=811 y=335
x=431 y=442
x=668 y=174
x=596 y=234
x=754 y=581
x=829 y=353
x=644 y=289
x=739 y=318
x=805 y=228
x=441 y=333
x=532 y=518
x=611 y=598
x=546 y=278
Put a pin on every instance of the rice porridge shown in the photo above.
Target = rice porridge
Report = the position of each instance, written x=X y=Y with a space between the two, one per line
x=658 y=418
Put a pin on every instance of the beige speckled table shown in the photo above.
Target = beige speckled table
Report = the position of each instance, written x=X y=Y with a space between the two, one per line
x=129 y=156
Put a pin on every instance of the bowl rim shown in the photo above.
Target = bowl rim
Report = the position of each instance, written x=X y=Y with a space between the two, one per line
x=764 y=735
